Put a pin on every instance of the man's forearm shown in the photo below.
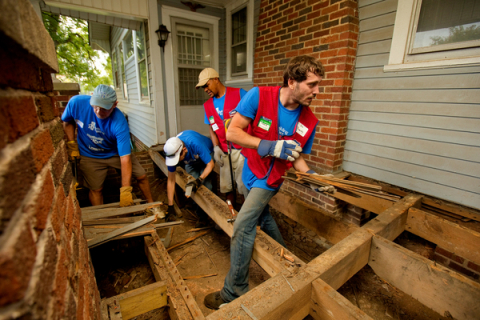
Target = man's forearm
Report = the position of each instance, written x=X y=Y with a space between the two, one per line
x=126 y=167
x=69 y=129
x=236 y=133
x=170 y=187
x=207 y=170
x=300 y=165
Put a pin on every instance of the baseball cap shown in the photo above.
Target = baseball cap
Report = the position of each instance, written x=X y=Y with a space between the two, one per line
x=205 y=75
x=103 y=96
x=173 y=147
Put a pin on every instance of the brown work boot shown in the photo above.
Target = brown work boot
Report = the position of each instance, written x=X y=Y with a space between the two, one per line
x=214 y=301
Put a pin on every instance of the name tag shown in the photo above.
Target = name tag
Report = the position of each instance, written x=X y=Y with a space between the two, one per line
x=264 y=123
x=215 y=127
x=211 y=120
x=301 y=129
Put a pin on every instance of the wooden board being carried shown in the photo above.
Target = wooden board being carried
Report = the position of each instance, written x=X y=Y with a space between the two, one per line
x=111 y=212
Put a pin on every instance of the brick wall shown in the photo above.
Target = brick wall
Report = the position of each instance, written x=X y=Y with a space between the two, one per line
x=45 y=270
x=457 y=263
x=328 y=31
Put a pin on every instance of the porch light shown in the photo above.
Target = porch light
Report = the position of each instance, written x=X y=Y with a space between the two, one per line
x=162 y=34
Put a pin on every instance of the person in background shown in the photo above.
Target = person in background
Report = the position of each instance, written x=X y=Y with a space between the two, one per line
x=281 y=127
x=103 y=141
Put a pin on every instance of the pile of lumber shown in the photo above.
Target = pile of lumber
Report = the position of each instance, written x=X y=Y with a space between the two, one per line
x=330 y=184
x=110 y=222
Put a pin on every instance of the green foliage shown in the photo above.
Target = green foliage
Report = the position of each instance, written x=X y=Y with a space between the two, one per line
x=76 y=58
x=458 y=34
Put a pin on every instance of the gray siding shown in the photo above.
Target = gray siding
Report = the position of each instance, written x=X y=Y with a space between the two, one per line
x=415 y=129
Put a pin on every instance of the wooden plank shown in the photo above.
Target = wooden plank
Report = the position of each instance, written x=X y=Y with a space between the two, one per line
x=108 y=236
x=364 y=201
x=105 y=213
x=391 y=223
x=448 y=235
x=93 y=233
x=439 y=191
x=112 y=221
x=384 y=33
x=436 y=287
x=108 y=205
x=142 y=300
x=311 y=217
x=178 y=309
x=327 y=303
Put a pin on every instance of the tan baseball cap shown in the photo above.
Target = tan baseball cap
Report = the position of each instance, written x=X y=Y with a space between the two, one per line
x=205 y=75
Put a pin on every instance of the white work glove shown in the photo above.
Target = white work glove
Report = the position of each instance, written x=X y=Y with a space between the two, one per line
x=218 y=155
x=329 y=189
x=282 y=149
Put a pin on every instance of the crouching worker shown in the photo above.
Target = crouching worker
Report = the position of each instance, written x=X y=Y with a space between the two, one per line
x=280 y=127
x=103 y=141
x=195 y=150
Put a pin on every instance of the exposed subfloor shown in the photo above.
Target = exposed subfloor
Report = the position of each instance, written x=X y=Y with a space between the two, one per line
x=122 y=265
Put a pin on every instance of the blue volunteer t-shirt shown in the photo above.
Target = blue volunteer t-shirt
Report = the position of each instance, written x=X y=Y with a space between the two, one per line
x=287 y=120
x=98 y=138
x=199 y=148
x=219 y=103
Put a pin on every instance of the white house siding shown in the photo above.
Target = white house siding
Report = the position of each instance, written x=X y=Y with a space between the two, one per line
x=415 y=129
x=130 y=8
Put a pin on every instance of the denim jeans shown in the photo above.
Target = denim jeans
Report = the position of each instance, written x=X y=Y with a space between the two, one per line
x=195 y=169
x=255 y=211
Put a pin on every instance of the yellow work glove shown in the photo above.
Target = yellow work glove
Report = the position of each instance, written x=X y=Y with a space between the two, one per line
x=126 y=197
x=72 y=148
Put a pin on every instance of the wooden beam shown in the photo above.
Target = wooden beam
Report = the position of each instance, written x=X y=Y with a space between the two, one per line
x=111 y=212
x=435 y=286
x=327 y=303
x=448 y=235
x=178 y=309
x=368 y=202
x=265 y=250
x=108 y=205
x=391 y=223
x=108 y=236
x=311 y=217
x=142 y=300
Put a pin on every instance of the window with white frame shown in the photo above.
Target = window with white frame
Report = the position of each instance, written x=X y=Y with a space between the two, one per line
x=239 y=41
x=116 y=74
x=122 y=70
x=142 y=62
x=435 y=33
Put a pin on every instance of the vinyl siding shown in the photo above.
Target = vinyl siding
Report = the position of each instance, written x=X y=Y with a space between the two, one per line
x=415 y=129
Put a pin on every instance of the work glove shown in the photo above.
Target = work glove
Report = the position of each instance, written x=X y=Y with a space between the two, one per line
x=195 y=183
x=218 y=155
x=171 y=214
x=72 y=149
x=282 y=149
x=126 y=197
x=329 y=189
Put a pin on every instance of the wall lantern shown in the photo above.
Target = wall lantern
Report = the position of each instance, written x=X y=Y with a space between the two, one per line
x=162 y=34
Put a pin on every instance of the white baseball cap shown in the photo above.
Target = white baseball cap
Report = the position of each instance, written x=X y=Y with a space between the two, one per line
x=103 y=96
x=173 y=147
x=205 y=75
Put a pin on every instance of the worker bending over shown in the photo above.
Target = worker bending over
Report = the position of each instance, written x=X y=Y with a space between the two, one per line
x=281 y=126
x=195 y=150
x=219 y=109
x=103 y=141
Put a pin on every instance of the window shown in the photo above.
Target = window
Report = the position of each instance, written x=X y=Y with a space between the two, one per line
x=128 y=44
x=116 y=81
x=240 y=42
x=142 y=62
x=122 y=66
x=435 y=33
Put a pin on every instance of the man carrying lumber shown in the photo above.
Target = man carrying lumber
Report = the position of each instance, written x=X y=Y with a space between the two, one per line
x=196 y=151
x=218 y=110
x=103 y=141
x=280 y=125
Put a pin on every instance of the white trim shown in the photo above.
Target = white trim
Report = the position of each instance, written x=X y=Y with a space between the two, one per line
x=167 y=14
x=229 y=8
x=137 y=71
x=402 y=32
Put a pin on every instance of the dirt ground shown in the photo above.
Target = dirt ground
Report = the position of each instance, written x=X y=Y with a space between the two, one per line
x=122 y=265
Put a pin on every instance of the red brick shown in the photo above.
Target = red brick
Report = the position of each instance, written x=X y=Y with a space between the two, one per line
x=17 y=258
x=473 y=266
x=58 y=213
x=19 y=114
x=42 y=201
x=69 y=215
x=42 y=149
x=45 y=108
x=444 y=252
x=462 y=270
x=60 y=286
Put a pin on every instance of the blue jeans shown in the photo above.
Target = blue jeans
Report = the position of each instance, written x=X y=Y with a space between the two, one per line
x=254 y=211
x=195 y=169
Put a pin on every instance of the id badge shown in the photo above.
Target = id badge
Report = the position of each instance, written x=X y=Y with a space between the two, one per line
x=264 y=123
x=211 y=120
x=214 y=127
x=301 y=129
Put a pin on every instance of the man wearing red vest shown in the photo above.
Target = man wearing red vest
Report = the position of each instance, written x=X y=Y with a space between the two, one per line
x=281 y=126
x=220 y=107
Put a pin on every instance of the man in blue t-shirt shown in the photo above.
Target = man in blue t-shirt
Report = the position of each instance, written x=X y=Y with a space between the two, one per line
x=195 y=150
x=273 y=143
x=103 y=141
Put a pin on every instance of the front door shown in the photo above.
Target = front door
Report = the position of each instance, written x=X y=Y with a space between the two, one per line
x=193 y=49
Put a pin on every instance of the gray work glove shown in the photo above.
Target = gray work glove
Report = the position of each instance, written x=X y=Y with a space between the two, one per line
x=218 y=155
x=329 y=189
x=282 y=149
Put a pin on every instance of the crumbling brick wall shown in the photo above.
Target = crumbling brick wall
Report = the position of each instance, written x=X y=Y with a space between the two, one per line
x=45 y=270
x=328 y=31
